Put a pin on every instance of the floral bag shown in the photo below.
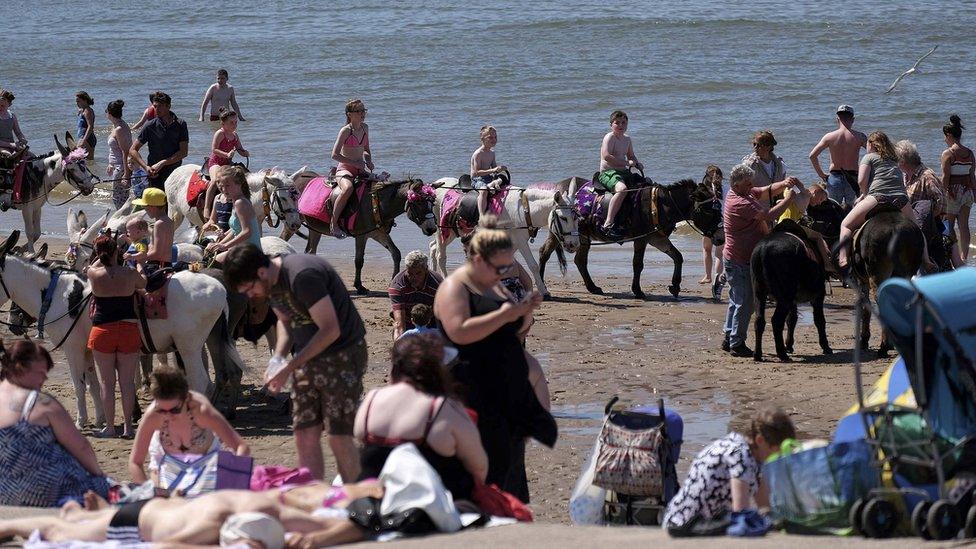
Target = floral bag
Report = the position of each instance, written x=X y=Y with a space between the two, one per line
x=628 y=460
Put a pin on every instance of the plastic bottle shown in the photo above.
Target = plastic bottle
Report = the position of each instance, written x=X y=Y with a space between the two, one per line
x=275 y=365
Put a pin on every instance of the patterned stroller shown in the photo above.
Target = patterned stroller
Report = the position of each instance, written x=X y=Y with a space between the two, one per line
x=638 y=449
x=925 y=453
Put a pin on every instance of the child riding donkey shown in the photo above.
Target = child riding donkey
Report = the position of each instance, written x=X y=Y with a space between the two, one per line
x=616 y=159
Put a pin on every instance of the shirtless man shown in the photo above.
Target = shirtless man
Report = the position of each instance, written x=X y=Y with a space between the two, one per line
x=616 y=159
x=160 y=252
x=194 y=521
x=221 y=98
x=844 y=144
x=483 y=167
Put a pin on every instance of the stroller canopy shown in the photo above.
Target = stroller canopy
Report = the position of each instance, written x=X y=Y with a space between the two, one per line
x=941 y=311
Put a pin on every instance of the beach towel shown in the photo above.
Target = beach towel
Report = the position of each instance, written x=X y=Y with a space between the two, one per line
x=266 y=477
x=35 y=542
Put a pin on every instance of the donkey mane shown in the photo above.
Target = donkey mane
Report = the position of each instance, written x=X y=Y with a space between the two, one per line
x=686 y=182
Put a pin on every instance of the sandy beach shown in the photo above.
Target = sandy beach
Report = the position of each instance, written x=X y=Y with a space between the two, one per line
x=592 y=348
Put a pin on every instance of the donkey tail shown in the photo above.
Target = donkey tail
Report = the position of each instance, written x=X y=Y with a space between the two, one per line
x=561 y=258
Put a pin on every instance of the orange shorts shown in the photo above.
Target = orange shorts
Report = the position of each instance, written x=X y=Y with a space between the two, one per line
x=115 y=337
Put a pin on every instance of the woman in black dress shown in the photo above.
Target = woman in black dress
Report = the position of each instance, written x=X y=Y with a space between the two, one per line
x=479 y=316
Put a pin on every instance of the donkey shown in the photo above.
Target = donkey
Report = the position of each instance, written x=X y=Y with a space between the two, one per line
x=672 y=203
x=787 y=267
x=272 y=195
x=524 y=211
x=197 y=315
x=43 y=174
x=888 y=245
x=376 y=214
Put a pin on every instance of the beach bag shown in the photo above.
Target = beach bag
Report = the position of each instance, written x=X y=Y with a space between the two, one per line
x=312 y=202
x=628 y=460
x=586 y=501
x=233 y=471
x=409 y=482
x=499 y=503
x=190 y=475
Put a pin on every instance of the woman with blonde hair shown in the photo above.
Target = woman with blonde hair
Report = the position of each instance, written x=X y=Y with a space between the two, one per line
x=882 y=183
x=478 y=316
x=351 y=151
x=243 y=223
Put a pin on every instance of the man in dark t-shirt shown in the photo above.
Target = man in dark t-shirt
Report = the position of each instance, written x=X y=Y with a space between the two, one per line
x=168 y=141
x=327 y=340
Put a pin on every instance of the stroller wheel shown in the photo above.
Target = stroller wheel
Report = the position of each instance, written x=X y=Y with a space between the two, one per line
x=879 y=518
x=920 y=518
x=943 y=520
x=854 y=515
x=970 y=528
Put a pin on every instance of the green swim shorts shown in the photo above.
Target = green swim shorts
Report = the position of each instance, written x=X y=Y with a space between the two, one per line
x=609 y=178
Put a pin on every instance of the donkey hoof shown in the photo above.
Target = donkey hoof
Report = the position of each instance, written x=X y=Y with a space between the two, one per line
x=595 y=290
x=639 y=294
x=362 y=290
x=547 y=297
x=828 y=351
x=757 y=357
x=789 y=349
x=675 y=290
x=785 y=358
x=882 y=352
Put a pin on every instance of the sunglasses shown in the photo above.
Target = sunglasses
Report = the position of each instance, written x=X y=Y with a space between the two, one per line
x=172 y=411
x=501 y=270
x=358 y=110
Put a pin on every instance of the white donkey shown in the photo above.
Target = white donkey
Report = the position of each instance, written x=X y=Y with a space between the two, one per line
x=273 y=195
x=43 y=174
x=525 y=209
x=197 y=306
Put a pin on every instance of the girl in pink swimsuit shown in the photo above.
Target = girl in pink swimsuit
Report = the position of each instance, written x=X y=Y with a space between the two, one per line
x=225 y=143
x=351 y=151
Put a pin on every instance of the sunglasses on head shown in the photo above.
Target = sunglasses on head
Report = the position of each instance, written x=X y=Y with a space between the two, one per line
x=172 y=411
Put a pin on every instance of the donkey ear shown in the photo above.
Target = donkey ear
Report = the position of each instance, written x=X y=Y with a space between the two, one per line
x=70 y=141
x=61 y=148
x=41 y=253
x=9 y=242
x=557 y=196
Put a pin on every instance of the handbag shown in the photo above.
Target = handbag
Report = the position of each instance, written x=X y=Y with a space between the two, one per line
x=628 y=460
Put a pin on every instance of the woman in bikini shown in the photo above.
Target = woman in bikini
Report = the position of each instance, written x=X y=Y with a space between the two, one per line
x=179 y=421
x=958 y=165
x=351 y=151
x=225 y=143
x=86 y=122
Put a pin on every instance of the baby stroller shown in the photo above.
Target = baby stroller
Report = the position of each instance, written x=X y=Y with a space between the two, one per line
x=636 y=457
x=924 y=453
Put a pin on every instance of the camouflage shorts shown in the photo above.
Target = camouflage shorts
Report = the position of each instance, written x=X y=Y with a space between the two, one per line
x=329 y=388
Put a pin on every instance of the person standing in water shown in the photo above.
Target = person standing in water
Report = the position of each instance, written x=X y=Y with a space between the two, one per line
x=119 y=143
x=958 y=166
x=220 y=95
x=351 y=151
x=86 y=122
x=844 y=145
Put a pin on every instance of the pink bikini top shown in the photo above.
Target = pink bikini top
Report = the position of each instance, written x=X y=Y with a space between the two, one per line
x=351 y=140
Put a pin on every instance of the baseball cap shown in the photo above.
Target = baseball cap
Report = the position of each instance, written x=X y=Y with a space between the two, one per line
x=846 y=109
x=151 y=196
x=253 y=526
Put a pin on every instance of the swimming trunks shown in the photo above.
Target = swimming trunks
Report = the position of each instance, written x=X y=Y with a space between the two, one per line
x=124 y=526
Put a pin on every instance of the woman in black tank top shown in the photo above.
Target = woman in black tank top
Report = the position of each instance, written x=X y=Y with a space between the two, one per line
x=115 y=340
x=474 y=312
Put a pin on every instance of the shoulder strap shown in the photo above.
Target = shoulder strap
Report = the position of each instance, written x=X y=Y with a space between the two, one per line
x=28 y=405
x=435 y=410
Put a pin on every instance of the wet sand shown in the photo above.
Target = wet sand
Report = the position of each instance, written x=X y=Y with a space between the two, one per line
x=592 y=348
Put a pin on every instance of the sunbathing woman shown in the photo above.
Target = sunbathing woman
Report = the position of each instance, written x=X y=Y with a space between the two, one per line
x=351 y=151
x=179 y=421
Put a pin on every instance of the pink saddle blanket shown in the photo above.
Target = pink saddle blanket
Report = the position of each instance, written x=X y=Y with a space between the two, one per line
x=314 y=202
x=452 y=201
